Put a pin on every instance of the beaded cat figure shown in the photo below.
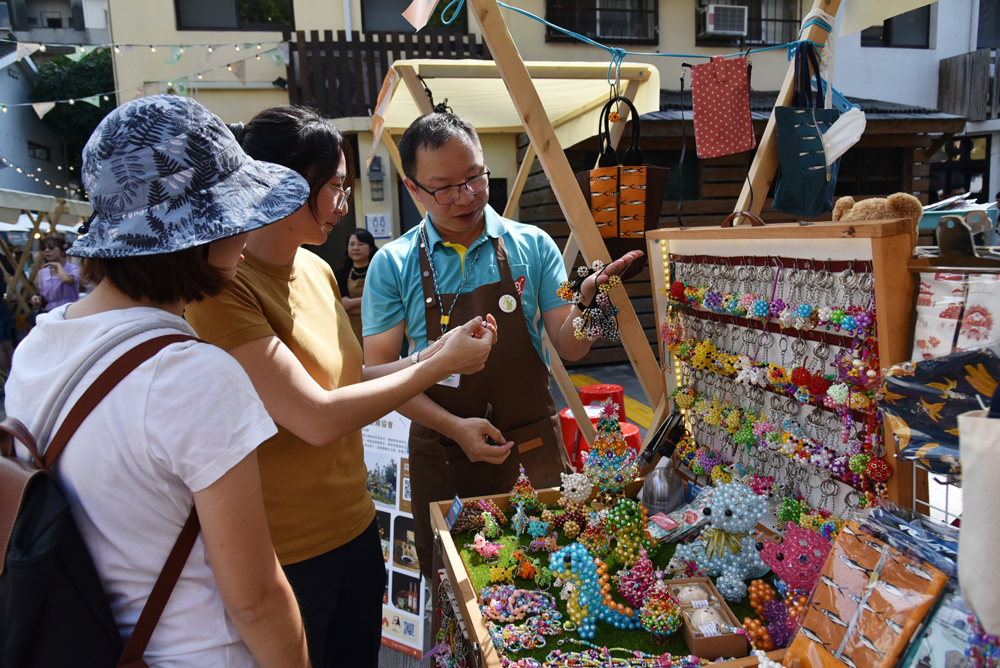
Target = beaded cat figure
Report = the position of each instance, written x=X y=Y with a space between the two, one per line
x=727 y=547
x=575 y=490
x=610 y=464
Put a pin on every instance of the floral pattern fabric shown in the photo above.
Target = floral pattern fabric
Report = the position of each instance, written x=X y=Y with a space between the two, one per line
x=164 y=174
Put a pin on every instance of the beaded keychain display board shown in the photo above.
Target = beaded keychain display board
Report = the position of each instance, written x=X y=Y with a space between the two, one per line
x=773 y=340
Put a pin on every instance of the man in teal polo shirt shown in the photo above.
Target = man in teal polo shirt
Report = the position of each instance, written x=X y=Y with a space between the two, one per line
x=466 y=260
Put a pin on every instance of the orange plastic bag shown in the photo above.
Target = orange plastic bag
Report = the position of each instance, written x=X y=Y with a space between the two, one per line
x=869 y=601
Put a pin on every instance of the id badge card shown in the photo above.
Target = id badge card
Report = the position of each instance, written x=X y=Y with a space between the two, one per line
x=454 y=380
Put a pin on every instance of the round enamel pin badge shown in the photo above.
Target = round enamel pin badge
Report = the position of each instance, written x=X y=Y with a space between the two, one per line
x=508 y=304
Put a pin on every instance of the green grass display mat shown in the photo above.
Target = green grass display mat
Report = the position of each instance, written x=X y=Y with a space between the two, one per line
x=607 y=635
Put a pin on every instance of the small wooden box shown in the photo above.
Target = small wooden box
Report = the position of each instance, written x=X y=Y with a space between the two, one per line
x=712 y=647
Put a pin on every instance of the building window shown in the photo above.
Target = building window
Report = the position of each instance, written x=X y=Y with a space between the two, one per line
x=911 y=30
x=39 y=152
x=989 y=24
x=609 y=21
x=769 y=22
x=961 y=166
x=379 y=15
x=271 y=15
x=51 y=20
x=4 y=16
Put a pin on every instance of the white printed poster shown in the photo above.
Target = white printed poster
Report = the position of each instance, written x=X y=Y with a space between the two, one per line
x=403 y=602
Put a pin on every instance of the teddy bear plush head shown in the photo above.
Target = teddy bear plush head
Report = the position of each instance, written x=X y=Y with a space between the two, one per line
x=898 y=205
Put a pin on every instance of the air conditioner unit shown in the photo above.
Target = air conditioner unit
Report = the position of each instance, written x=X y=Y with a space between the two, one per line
x=722 y=20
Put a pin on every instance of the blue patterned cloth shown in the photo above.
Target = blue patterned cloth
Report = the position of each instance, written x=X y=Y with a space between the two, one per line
x=164 y=174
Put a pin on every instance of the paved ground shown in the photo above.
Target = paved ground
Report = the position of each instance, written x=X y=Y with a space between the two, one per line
x=637 y=412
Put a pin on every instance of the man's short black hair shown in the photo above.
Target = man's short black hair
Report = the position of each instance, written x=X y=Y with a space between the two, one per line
x=432 y=131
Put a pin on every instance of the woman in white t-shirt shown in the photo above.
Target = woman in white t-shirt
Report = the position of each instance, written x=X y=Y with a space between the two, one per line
x=174 y=196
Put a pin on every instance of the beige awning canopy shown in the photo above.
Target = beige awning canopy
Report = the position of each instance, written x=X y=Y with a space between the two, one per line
x=13 y=202
x=572 y=95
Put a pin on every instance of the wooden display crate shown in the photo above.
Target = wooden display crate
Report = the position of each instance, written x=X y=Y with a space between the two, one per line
x=887 y=244
x=468 y=608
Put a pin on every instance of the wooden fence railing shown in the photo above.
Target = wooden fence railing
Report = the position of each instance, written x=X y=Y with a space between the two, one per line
x=342 y=77
x=966 y=86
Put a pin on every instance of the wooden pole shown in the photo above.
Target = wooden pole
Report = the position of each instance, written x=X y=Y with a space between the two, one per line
x=390 y=145
x=514 y=198
x=416 y=90
x=765 y=162
x=564 y=184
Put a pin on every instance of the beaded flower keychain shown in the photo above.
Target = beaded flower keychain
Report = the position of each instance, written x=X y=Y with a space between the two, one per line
x=600 y=317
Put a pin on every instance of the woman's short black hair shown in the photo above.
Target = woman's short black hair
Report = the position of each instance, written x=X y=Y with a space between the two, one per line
x=300 y=139
x=365 y=237
x=168 y=278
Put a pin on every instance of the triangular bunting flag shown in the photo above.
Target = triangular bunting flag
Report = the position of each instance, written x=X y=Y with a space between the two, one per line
x=42 y=108
x=94 y=100
x=283 y=50
x=239 y=69
x=77 y=54
x=175 y=54
x=419 y=12
x=25 y=49
x=138 y=94
x=181 y=86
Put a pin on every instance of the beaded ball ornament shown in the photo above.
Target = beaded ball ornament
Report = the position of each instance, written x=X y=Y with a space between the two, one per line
x=610 y=464
x=727 y=548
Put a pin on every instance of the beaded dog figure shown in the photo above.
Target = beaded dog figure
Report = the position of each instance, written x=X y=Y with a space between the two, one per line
x=574 y=565
x=727 y=547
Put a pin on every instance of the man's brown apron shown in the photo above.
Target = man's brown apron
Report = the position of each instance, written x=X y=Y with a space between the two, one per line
x=515 y=381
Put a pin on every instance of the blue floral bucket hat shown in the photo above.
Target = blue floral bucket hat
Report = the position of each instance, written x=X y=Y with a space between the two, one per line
x=164 y=174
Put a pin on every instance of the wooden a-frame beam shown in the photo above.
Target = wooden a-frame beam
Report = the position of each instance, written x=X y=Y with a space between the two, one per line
x=564 y=185
x=765 y=162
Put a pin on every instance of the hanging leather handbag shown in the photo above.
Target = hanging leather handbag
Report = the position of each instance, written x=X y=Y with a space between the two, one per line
x=625 y=196
x=720 y=93
x=804 y=184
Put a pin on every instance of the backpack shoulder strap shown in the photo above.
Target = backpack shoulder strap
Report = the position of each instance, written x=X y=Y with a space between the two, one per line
x=171 y=572
x=106 y=382
x=157 y=601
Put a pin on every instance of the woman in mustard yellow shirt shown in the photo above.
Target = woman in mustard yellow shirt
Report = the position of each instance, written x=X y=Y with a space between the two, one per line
x=283 y=321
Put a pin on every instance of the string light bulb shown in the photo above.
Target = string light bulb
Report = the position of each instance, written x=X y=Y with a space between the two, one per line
x=211 y=49
x=152 y=48
x=258 y=46
x=42 y=48
x=229 y=67
x=117 y=50
x=199 y=75
x=5 y=108
x=72 y=101
x=237 y=46
x=105 y=98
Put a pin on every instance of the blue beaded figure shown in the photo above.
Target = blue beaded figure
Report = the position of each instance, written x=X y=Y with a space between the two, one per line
x=573 y=563
x=727 y=547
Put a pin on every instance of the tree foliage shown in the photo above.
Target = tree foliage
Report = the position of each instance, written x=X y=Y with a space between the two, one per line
x=61 y=79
